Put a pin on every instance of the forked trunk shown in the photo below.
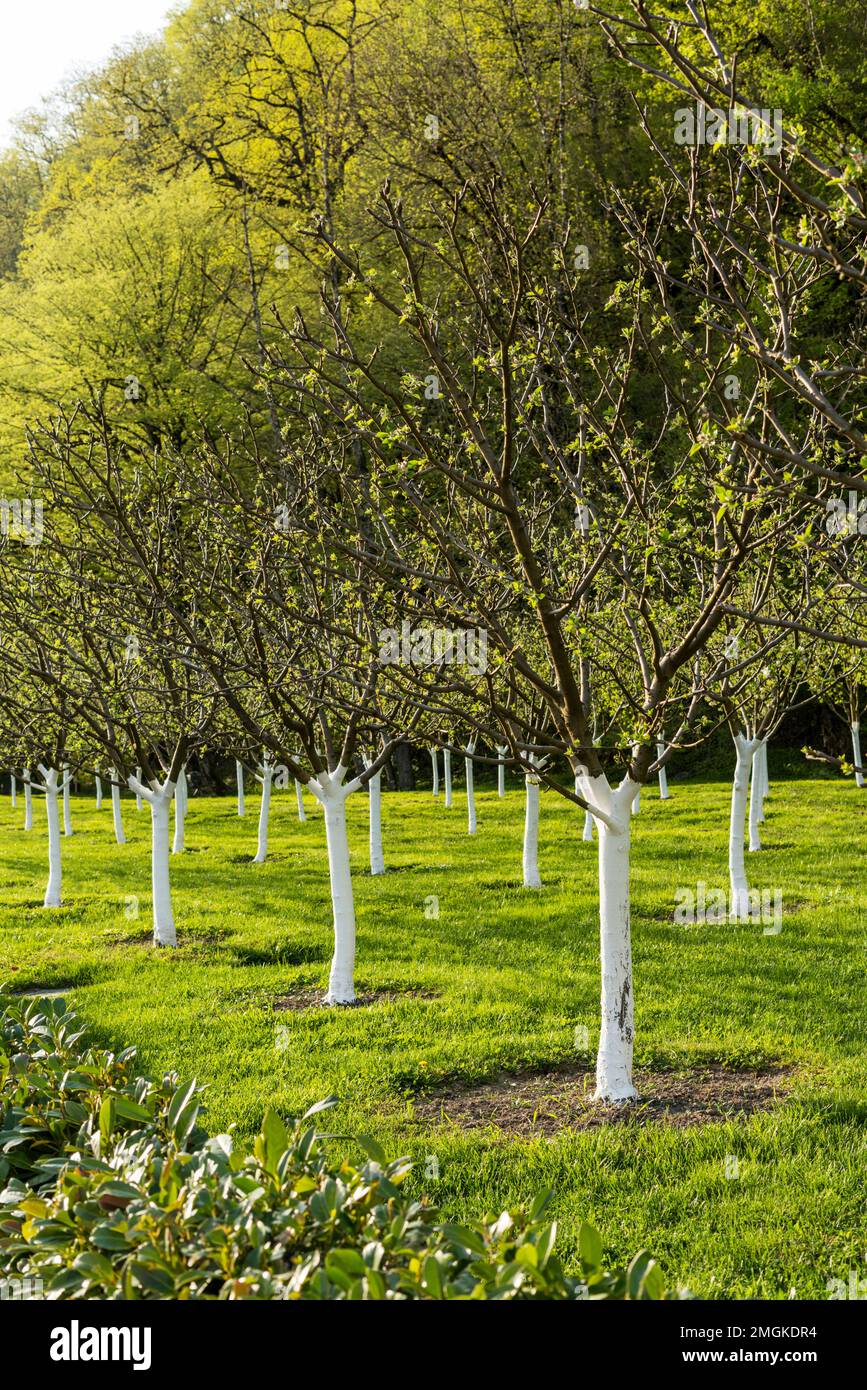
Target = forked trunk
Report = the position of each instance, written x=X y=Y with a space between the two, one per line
x=163 y=914
x=341 y=981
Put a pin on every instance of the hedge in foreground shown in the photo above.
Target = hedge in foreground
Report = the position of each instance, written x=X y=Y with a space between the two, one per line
x=112 y=1191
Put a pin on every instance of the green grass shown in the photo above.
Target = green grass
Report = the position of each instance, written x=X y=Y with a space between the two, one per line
x=513 y=973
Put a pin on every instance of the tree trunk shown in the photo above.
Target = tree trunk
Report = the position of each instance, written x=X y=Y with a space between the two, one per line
x=138 y=794
x=435 y=766
x=663 y=775
x=471 y=797
x=856 y=752
x=28 y=800
x=299 y=798
x=341 y=985
x=178 y=843
x=616 y=1035
x=377 y=862
x=12 y=790
x=239 y=778
x=67 y=815
x=740 y=898
x=264 y=808
x=163 y=915
x=98 y=792
x=531 y=833
x=501 y=772
x=55 y=865
x=447 y=776
x=115 y=807
x=756 y=799
x=403 y=766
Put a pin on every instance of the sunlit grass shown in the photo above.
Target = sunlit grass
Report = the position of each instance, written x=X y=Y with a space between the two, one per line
x=504 y=977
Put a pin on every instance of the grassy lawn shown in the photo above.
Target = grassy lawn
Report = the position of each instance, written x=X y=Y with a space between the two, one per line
x=503 y=978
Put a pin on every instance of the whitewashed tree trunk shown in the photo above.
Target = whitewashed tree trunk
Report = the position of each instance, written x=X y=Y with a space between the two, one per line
x=138 y=801
x=471 y=794
x=588 y=826
x=67 y=814
x=299 y=801
x=636 y=804
x=159 y=798
x=663 y=776
x=616 y=1034
x=435 y=771
x=756 y=816
x=264 y=778
x=745 y=747
x=28 y=800
x=239 y=779
x=531 y=832
x=501 y=771
x=330 y=791
x=98 y=780
x=374 y=787
x=116 y=815
x=179 y=841
x=13 y=790
x=447 y=776
x=51 y=788
x=856 y=752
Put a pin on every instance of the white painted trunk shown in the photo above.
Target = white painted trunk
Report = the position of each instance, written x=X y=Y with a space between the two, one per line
x=28 y=800
x=447 y=776
x=616 y=1035
x=501 y=772
x=239 y=779
x=663 y=776
x=55 y=867
x=435 y=771
x=636 y=805
x=756 y=816
x=856 y=752
x=163 y=915
x=341 y=981
x=67 y=815
x=588 y=826
x=98 y=792
x=377 y=862
x=299 y=800
x=471 y=797
x=116 y=816
x=264 y=809
x=737 y=872
x=531 y=833
x=13 y=790
x=138 y=794
x=179 y=842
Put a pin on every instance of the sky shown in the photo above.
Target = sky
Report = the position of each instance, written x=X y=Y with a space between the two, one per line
x=45 y=41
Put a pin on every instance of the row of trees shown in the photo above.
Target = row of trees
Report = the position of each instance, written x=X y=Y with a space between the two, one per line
x=608 y=441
